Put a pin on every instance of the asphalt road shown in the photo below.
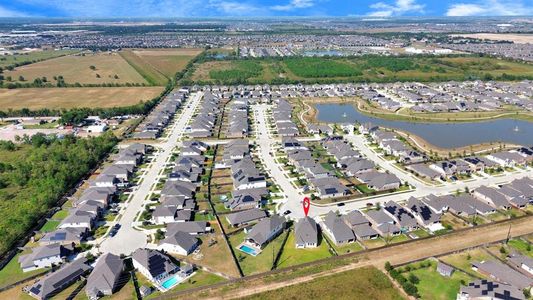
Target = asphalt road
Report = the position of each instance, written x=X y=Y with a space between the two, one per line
x=128 y=239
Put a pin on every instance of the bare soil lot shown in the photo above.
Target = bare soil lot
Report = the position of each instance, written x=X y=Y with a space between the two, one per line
x=108 y=68
x=55 y=98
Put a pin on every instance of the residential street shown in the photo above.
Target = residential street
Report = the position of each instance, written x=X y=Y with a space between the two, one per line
x=293 y=196
x=128 y=239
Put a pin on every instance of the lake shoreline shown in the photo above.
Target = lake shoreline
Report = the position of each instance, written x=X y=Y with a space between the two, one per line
x=416 y=141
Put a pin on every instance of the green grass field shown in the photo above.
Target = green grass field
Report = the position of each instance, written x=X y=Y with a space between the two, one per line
x=359 y=69
x=292 y=256
x=263 y=261
x=363 y=283
x=12 y=272
x=433 y=286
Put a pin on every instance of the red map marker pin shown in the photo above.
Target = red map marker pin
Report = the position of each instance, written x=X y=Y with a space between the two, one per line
x=306 y=203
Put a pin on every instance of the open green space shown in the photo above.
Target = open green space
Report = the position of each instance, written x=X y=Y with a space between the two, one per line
x=363 y=283
x=293 y=256
x=434 y=286
x=367 y=68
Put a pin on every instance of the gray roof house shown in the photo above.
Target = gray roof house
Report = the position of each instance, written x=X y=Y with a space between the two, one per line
x=180 y=243
x=245 y=217
x=265 y=231
x=306 y=233
x=401 y=216
x=153 y=264
x=337 y=229
x=105 y=277
x=66 y=236
x=382 y=222
x=484 y=289
x=194 y=228
x=503 y=273
x=492 y=197
x=361 y=226
x=43 y=257
x=444 y=269
x=59 y=280
x=521 y=262
x=384 y=182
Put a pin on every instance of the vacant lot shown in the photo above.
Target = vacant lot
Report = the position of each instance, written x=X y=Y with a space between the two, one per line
x=55 y=98
x=168 y=61
x=364 y=283
x=29 y=57
x=359 y=69
x=86 y=68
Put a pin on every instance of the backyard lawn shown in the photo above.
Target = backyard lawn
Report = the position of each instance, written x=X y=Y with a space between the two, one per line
x=263 y=261
x=434 y=286
x=292 y=256
x=12 y=272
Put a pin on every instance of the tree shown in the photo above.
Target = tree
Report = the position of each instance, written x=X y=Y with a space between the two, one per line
x=21 y=78
x=413 y=278
x=92 y=67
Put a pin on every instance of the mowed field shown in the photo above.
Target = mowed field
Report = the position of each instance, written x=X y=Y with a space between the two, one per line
x=109 y=68
x=158 y=66
x=366 y=68
x=55 y=98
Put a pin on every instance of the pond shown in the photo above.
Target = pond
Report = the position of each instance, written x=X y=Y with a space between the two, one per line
x=444 y=135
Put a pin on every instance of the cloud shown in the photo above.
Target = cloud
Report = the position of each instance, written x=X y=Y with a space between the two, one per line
x=8 y=13
x=490 y=8
x=232 y=8
x=398 y=8
x=294 y=4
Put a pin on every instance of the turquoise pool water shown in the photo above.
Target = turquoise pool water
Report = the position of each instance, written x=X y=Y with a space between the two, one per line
x=169 y=283
x=248 y=250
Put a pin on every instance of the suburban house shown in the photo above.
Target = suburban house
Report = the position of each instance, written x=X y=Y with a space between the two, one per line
x=65 y=236
x=243 y=218
x=484 y=289
x=180 y=242
x=265 y=231
x=43 y=257
x=153 y=265
x=383 y=223
x=335 y=227
x=401 y=216
x=424 y=215
x=55 y=282
x=492 y=197
x=360 y=225
x=521 y=262
x=105 y=277
x=503 y=273
x=306 y=233
x=192 y=227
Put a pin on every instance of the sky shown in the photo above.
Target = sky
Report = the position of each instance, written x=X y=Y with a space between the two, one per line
x=262 y=8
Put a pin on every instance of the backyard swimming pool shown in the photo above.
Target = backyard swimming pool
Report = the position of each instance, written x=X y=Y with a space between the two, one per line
x=248 y=250
x=169 y=283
